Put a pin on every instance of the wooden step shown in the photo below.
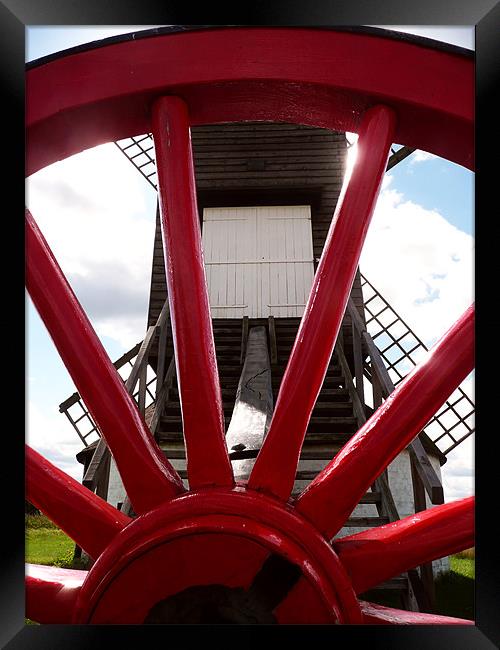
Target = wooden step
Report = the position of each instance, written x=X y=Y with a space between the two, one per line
x=170 y=430
x=310 y=450
x=317 y=424
x=331 y=409
x=324 y=424
x=328 y=438
x=229 y=379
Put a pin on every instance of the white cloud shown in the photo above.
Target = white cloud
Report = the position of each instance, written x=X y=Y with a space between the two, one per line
x=423 y=266
x=420 y=263
x=421 y=156
x=458 y=471
x=98 y=216
x=51 y=435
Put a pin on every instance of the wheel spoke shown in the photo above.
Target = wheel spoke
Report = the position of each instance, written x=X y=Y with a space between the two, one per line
x=325 y=308
x=89 y=520
x=374 y=614
x=51 y=593
x=197 y=376
x=97 y=380
x=335 y=492
x=381 y=553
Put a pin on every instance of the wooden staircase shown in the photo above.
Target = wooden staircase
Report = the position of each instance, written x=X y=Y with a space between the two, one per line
x=332 y=423
x=339 y=412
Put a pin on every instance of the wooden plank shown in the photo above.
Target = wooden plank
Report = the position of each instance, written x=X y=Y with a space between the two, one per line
x=426 y=574
x=141 y=360
x=387 y=505
x=162 y=326
x=359 y=411
x=101 y=489
x=426 y=472
x=162 y=396
x=358 y=364
x=253 y=405
x=397 y=157
x=272 y=340
x=417 y=452
x=244 y=338
x=142 y=389
x=96 y=465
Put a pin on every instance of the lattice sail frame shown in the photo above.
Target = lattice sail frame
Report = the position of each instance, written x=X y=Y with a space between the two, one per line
x=397 y=342
x=75 y=409
x=237 y=527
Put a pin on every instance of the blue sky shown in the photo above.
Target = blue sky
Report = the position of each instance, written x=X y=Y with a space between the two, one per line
x=422 y=189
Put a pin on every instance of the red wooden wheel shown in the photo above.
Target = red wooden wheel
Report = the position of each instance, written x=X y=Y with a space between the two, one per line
x=207 y=553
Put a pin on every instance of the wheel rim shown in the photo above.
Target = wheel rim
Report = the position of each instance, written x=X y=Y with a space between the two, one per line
x=247 y=523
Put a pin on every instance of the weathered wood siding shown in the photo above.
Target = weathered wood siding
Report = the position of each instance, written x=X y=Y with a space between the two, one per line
x=255 y=163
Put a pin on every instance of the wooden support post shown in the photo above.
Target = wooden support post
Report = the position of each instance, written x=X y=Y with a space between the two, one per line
x=162 y=328
x=377 y=389
x=272 y=340
x=358 y=363
x=96 y=465
x=253 y=405
x=142 y=389
x=244 y=339
x=427 y=476
x=426 y=574
x=103 y=478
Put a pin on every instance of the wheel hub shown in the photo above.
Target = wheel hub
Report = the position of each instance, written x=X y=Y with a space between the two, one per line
x=218 y=556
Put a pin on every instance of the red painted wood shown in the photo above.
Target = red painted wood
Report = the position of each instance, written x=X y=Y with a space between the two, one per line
x=226 y=515
x=197 y=375
x=321 y=78
x=317 y=77
x=325 y=308
x=148 y=477
x=51 y=593
x=374 y=614
x=332 y=496
x=89 y=520
x=381 y=553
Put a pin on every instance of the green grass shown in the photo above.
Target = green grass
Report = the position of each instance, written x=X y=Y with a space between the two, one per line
x=38 y=521
x=454 y=590
x=47 y=544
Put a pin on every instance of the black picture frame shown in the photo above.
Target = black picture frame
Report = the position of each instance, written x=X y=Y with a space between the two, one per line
x=15 y=15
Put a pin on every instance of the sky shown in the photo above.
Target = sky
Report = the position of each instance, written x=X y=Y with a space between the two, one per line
x=98 y=215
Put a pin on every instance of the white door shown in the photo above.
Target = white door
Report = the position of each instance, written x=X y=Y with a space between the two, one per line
x=259 y=260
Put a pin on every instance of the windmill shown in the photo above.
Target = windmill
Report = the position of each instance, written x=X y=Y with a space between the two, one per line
x=232 y=379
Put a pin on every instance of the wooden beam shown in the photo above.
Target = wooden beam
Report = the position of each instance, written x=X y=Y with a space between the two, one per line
x=398 y=156
x=357 y=350
x=162 y=328
x=253 y=406
x=162 y=396
x=244 y=338
x=272 y=340
x=428 y=599
x=141 y=359
x=96 y=465
x=425 y=471
x=423 y=465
